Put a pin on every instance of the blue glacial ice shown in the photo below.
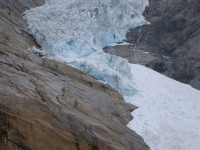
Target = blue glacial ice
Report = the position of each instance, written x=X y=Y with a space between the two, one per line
x=75 y=31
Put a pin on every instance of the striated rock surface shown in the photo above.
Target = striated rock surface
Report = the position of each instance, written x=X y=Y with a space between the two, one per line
x=47 y=105
x=173 y=37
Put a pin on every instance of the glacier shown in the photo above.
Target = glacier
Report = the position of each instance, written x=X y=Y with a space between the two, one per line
x=74 y=32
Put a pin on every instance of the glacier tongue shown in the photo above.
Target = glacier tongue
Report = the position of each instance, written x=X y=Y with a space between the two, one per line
x=75 y=31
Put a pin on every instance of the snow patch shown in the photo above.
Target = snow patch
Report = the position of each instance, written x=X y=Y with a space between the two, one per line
x=168 y=117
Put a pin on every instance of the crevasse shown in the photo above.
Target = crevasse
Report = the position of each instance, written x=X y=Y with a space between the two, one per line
x=75 y=31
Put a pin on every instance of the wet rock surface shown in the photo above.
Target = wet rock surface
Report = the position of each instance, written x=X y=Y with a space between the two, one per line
x=47 y=105
x=173 y=37
x=132 y=54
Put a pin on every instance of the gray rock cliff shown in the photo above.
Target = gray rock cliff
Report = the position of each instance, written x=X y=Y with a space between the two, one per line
x=47 y=105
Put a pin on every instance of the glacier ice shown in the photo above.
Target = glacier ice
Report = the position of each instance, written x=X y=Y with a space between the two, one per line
x=75 y=31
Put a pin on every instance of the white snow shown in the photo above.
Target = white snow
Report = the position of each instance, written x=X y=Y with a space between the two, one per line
x=122 y=43
x=168 y=117
x=75 y=31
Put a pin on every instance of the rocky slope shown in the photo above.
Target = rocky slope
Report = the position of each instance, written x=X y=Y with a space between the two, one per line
x=172 y=39
x=47 y=105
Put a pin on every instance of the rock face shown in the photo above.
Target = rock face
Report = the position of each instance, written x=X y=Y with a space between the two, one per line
x=47 y=105
x=175 y=31
x=132 y=53
x=173 y=38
